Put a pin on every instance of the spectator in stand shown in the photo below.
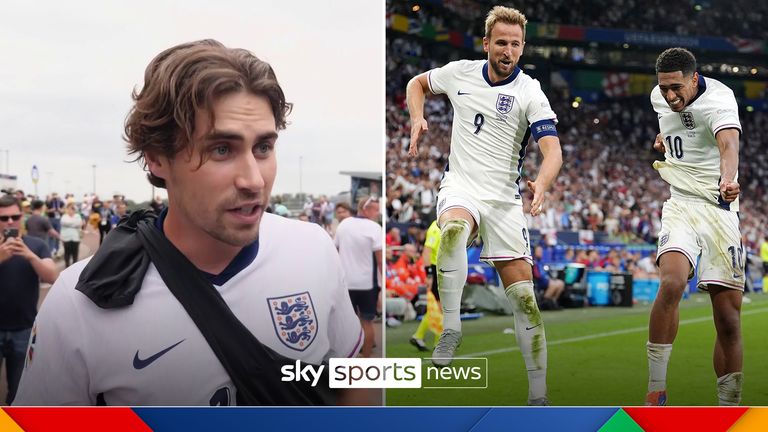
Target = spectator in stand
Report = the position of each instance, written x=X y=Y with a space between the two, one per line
x=549 y=288
x=570 y=255
x=582 y=257
x=393 y=237
x=647 y=267
x=410 y=270
x=593 y=259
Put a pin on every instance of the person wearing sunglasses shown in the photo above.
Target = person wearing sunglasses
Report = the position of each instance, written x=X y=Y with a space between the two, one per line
x=25 y=261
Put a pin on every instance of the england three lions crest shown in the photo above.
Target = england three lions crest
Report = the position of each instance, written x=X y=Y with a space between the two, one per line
x=687 y=119
x=294 y=319
x=504 y=103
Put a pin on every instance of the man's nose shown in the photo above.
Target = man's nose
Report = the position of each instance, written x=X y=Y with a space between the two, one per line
x=248 y=176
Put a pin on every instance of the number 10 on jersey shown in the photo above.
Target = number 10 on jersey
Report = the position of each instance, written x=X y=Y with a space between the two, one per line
x=675 y=146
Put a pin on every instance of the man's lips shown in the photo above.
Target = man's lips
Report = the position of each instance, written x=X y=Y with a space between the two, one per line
x=247 y=212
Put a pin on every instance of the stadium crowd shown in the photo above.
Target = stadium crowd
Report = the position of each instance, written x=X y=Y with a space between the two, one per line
x=742 y=18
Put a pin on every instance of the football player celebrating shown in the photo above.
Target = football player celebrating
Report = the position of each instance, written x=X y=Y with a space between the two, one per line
x=700 y=129
x=496 y=108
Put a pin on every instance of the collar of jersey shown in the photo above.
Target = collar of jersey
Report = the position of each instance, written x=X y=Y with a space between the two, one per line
x=242 y=260
x=505 y=81
x=702 y=87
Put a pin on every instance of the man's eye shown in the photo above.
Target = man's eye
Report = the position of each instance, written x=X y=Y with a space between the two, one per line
x=263 y=148
x=221 y=150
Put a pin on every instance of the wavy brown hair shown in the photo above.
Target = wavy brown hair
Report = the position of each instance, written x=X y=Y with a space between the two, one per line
x=184 y=80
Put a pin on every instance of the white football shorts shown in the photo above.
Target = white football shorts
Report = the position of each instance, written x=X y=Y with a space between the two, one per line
x=701 y=230
x=500 y=224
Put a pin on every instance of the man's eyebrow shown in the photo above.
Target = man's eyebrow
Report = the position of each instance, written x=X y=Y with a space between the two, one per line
x=234 y=136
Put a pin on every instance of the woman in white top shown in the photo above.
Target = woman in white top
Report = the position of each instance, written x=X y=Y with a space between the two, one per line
x=71 y=227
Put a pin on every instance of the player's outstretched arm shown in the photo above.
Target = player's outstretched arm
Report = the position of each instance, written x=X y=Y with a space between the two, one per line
x=728 y=144
x=550 y=167
x=415 y=93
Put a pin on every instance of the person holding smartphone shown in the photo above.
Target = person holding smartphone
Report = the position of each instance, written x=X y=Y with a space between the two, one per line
x=25 y=261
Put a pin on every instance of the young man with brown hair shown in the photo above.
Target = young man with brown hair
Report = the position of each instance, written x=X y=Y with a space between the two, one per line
x=205 y=124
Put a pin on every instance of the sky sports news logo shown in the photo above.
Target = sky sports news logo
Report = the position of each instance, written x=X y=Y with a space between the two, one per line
x=392 y=373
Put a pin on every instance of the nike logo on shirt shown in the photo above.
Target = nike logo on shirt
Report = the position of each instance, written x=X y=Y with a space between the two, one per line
x=447 y=271
x=462 y=94
x=142 y=363
x=531 y=328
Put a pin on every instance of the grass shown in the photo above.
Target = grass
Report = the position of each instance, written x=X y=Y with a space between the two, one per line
x=597 y=357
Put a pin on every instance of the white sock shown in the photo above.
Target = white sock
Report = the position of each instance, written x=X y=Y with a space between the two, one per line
x=658 y=358
x=529 y=332
x=452 y=270
x=729 y=388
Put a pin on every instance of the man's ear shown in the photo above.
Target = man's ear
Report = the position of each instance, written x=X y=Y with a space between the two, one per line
x=157 y=165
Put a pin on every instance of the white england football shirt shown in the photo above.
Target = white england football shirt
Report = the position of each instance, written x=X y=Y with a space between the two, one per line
x=491 y=127
x=357 y=239
x=692 y=166
x=292 y=296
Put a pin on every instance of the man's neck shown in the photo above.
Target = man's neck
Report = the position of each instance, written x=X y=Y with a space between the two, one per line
x=495 y=78
x=205 y=252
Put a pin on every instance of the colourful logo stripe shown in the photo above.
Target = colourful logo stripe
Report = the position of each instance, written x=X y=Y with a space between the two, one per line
x=621 y=422
x=94 y=419
x=7 y=424
x=756 y=419
x=676 y=419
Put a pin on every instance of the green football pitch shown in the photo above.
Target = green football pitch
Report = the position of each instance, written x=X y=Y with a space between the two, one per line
x=596 y=357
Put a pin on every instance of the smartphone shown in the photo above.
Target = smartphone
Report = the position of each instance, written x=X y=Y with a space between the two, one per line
x=11 y=232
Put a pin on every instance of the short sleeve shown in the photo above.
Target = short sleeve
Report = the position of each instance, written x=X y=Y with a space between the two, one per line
x=55 y=371
x=724 y=114
x=538 y=105
x=39 y=247
x=440 y=79
x=376 y=235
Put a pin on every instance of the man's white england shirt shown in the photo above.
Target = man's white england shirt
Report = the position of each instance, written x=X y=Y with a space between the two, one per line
x=292 y=296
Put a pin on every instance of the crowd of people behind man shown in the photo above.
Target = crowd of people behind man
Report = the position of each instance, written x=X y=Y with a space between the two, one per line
x=61 y=222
